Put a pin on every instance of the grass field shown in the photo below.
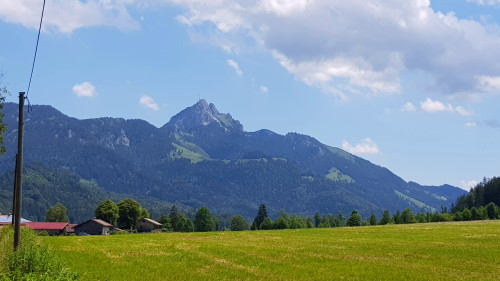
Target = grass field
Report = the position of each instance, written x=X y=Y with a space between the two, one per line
x=444 y=251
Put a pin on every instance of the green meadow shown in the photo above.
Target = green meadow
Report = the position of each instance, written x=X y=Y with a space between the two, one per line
x=437 y=251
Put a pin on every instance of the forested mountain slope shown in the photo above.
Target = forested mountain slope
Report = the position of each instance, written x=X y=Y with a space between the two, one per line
x=202 y=157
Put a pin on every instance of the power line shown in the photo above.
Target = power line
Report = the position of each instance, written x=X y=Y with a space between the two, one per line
x=36 y=49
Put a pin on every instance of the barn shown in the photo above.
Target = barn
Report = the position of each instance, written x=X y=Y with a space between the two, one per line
x=52 y=228
x=147 y=225
x=94 y=227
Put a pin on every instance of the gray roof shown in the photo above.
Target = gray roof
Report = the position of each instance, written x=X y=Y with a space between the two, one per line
x=8 y=219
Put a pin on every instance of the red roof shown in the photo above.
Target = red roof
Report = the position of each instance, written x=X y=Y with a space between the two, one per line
x=46 y=225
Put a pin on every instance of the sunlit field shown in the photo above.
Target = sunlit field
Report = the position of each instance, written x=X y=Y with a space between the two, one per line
x=443 y=251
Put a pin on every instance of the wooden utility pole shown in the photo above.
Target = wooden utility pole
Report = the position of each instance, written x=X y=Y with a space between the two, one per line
x=19 y=174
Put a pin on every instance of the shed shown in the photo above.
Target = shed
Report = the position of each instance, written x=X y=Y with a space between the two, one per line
x=147 y=225
x=94 y=227
x=53 y=228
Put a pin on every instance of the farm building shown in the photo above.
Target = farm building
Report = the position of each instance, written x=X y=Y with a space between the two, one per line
x=52 y=228
x=7 y=219
x=94 y=227
x=147 y=225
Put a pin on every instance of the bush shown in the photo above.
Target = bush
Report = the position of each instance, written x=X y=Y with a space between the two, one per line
x=43 y=233
x=31 y=261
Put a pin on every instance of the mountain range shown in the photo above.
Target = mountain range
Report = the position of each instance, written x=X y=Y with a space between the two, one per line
x=202 y=157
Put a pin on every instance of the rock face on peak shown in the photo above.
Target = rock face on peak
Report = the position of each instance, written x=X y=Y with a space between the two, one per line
x=201 y=116
x=202 y=157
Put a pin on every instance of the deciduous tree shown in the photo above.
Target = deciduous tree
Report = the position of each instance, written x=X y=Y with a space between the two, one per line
x=57 y=213
x=107 y=211
x=238 y=223
x=129 y=212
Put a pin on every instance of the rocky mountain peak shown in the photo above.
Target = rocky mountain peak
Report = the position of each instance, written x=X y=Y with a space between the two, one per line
x=202 y=114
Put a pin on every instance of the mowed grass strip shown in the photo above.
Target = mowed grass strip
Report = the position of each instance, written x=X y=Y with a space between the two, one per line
x=443 y=251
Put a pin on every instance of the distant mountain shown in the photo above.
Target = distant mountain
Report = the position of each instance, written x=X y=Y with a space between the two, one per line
x=202 y=157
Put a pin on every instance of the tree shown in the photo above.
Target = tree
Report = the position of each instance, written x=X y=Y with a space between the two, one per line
x=282 y=222
x=204 y=221
x=184 y=224
x=340 y=221
x=3 y=126
x=297 y=222
x=491 y=211
x=309 y=223
x=466 y=215
x=267 y=224
x=174 y=219
x=238 y=223
x=386 y=218
x=354 y=219
x=56 y=213
x=398 y=219
x=129 y=212
x=144 y=214
x=373 y=220
x=408 y=217
x=107 y=211
x=261 y=216
x=317 y=219
x=166 y=222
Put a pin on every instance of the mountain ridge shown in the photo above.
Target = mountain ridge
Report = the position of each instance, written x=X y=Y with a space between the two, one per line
x=204 y=157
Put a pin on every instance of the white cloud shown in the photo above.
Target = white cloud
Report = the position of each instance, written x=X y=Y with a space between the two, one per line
x=367 y=146
x=467 y=185
x=342 y=47
x=85 y=89
x=485 y=2
x=409 y=107
x=149 y=103
x=264 y=89
x=234 y=65
x=432 y=106
x=435 y=106
x=354 y=47
x=471 y=124
x=65 y=16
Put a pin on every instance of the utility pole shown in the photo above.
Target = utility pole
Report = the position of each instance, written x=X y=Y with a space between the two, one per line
x=19 y=174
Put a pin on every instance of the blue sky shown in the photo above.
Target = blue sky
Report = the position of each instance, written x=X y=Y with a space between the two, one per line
x=410 y=85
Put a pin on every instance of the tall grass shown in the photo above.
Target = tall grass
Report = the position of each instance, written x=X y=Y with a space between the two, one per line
x=433 y=251
x=32 y=261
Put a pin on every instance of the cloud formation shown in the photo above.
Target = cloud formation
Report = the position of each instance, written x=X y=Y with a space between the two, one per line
x=264 y=89
x=350 y=48
x=234 y=65
x=85 y=89
x=66 y=16
x=148 y=102
x=409 y=107
x=471 y=124
x=354 y=47
x=433 y=106
x=485 y=2
x=367 y=146
x=467 y=185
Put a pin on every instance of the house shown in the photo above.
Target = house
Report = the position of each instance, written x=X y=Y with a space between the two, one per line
x=147 y=225
x=52 y=228
x=7 y=219
x=93 y=227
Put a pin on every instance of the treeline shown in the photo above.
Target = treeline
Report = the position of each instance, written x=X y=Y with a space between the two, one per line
x=485 y=192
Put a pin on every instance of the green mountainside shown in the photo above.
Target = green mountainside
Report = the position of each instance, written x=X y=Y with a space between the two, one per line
x=44 y=187
x=202 y=157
